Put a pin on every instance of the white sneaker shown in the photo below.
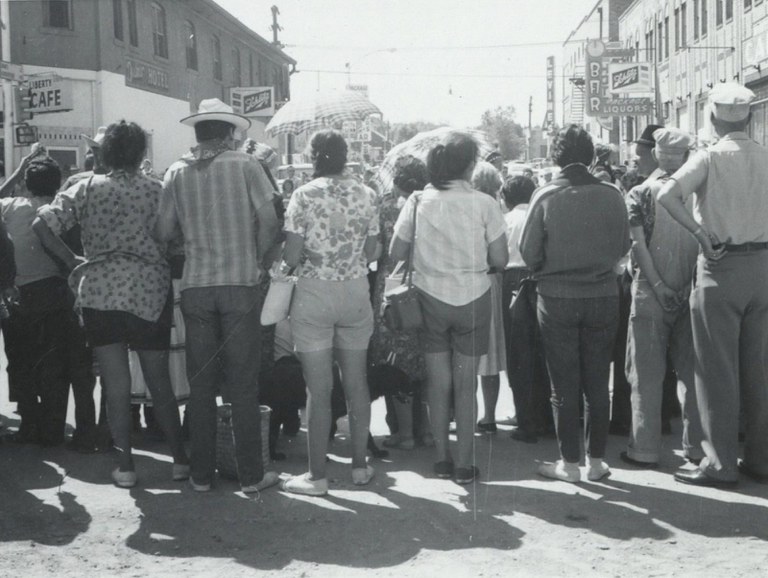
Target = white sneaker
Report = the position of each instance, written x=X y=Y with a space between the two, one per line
x=597 y=469
x=270 y=479
x=561 y=470
x=303 y=485
x=362 y=476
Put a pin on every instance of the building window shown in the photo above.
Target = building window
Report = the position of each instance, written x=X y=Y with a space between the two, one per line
x=728 y=10
x=190 y=41
x=216 y=51
x=133 y=28
x=159 y=31
x=117 y=18
x=696 y=20
x=718 y=13
x=683 y=25
x=666 y=37
x=251 y=75
x=704 y=17
x=660 y=40
x=747 y=4
x=677 y=29
x=58 y=14
x=236 y=69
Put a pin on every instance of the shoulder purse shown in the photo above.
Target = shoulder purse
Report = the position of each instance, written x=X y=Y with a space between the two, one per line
x=401 y=310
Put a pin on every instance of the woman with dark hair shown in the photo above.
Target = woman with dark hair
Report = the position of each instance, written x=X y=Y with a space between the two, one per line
x=122 y=286
x=459 y=233
x=332 y=229
x=403 y=349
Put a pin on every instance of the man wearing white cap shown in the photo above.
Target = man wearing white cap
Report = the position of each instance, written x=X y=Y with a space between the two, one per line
x=729 y=303
x=221 y=201
x=663 y=257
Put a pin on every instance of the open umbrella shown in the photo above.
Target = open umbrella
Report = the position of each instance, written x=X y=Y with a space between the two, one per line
x=320 y=110
x=419 y=147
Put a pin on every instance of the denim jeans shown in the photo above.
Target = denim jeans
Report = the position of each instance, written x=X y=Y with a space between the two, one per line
x=223 y=332
x=578 y=336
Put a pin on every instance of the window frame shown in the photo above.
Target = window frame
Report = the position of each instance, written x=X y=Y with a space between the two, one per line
x=159 y=30
x=728 y=8
x=218 y=66
x=48 y=4
x=190 y=45
x=133 y=23
x=118 y=23
x=237 y=67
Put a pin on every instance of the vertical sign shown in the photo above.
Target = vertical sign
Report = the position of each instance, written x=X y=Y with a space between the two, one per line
x=549 y=120
x=598 y=83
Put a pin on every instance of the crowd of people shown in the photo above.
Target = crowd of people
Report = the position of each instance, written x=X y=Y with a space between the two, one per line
x=663 y=275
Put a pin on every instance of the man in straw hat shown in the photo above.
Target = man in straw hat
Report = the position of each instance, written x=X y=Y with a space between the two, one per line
x=220 y=199
x=729 y=303
x=663 y=257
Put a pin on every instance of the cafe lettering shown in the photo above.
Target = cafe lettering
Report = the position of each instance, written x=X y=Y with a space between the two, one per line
x=50 y=95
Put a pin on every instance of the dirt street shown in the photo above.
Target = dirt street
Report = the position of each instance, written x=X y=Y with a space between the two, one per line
x=59 y=515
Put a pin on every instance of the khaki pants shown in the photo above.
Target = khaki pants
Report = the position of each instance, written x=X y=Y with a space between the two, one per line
x=729 y=313
x=654 y=332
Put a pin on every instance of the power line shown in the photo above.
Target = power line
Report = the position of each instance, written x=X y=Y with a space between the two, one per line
x=452 y=47
x=423 y=74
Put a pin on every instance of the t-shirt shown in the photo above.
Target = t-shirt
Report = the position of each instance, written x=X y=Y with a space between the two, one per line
x=33 y=263
x=334 y=215
x=454 y=228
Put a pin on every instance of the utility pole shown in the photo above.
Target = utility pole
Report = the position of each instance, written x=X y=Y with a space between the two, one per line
x=8 y=101
x=530 y=126
x=276 y=28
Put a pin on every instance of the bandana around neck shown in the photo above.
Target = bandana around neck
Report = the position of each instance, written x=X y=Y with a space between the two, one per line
x=206 y=151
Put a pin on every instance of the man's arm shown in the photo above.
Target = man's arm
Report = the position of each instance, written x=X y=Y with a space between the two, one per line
x=54 y=245
x=666 y=297
x=532 y=238
x=7 y=187
x=267 y=233
x=167 y=224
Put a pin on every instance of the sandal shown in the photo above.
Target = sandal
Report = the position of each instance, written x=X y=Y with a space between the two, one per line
x=444 y=469
x=466 y=476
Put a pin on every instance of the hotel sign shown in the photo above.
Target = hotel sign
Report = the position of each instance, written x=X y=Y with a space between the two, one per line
x=146 y=76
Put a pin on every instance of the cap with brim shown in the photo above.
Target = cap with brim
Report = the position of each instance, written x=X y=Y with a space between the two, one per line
x=96 y=140
x=671 y=141
x=730 y=101
x=215 y=109
x=646 y=138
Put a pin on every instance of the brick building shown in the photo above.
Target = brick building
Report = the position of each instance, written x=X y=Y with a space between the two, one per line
x=92 y=62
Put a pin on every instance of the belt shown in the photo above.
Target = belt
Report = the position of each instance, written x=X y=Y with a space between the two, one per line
x=742 y=248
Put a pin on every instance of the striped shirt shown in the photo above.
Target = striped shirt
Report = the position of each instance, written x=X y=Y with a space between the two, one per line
x=453 y=230
x=214 y=203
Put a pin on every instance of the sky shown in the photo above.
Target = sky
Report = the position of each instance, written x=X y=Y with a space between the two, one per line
x=424 y=60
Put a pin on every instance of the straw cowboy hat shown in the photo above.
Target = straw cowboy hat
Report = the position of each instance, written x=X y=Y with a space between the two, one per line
x=214 y=109
x=96 y=140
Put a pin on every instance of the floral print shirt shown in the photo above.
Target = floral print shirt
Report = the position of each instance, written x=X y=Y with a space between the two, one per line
x=334 y=215
x=125 y=268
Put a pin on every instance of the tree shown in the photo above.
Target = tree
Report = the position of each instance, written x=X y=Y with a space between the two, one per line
x=401 y=132
x=502 y=130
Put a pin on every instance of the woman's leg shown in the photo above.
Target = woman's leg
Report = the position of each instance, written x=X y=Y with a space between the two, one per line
x=318 y=373
x=113 y=364
x=154 y=366
x=490 y=385
x=464 y=388
x=439 y=384
x=354 y=380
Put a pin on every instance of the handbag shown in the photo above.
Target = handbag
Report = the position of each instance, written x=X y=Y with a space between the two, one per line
x=277 y=303
x=401 y=310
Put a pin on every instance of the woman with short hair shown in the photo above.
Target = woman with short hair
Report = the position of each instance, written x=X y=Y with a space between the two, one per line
x=459 y=233
x=122 y=286
x=332 y=228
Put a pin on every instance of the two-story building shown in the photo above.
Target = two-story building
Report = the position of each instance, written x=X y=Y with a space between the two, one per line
x=92 y=62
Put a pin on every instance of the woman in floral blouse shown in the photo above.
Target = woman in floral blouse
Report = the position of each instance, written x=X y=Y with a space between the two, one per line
x=333 y=222
x=122 y=286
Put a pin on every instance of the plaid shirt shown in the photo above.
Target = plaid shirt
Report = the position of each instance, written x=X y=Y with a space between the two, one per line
x=214 y=202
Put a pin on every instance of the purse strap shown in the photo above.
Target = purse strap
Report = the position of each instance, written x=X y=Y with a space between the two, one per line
x=408 y=273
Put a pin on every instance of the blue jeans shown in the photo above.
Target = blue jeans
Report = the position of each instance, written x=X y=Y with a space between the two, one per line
x=223 y=332
x=578 y=336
